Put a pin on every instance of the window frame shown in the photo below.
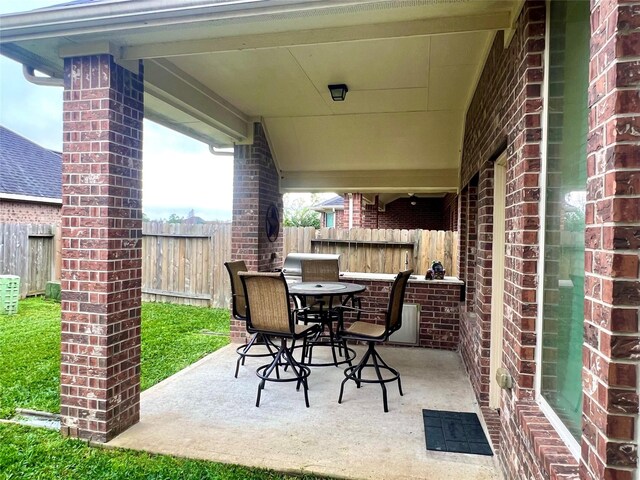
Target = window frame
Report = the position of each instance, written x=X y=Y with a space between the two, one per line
x=326 y=219
x=552 y=416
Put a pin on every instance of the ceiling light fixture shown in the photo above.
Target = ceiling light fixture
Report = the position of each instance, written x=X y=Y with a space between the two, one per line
x=338 y=92
x=413 y=200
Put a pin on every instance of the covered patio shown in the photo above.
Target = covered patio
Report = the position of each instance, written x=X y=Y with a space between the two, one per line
x=443 y=97
x=204 y=412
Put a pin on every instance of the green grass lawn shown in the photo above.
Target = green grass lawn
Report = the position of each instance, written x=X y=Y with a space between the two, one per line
x=36 y=453
x=172 y=338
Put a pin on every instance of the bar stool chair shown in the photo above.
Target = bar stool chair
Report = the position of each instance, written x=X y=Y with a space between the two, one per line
x=373 y=334
x=269 y=313
x=239 y=312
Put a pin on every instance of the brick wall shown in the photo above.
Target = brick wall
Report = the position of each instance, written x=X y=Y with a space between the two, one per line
x=256 y=187
x=12 y=211
x=370 y=215
x=612 y=282
x=506 y=109
x=440 y=309
x=101 y=248
x=426 y=214
x=358 y=211
x=476 y=324
x=450 y=211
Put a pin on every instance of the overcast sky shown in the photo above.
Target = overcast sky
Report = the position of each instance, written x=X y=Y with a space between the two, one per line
x=179 y=173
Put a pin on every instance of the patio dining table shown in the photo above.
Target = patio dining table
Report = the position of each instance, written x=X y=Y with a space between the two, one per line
x=338 y=294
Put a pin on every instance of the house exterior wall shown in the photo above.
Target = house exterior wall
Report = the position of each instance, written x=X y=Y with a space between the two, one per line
x=427 y=214
x=12 y=211
x=507 y=110
x=612 y=282
x=450 y=211
x=358 y=211
x=506 y=113
x=101 y=248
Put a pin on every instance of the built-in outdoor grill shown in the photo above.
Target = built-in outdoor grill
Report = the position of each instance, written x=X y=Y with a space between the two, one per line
x=292 y=267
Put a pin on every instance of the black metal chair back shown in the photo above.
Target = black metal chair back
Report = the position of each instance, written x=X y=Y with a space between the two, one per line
x=396 y=301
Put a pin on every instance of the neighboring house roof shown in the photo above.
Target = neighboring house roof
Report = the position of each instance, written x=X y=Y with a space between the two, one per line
x=333 y=203
x=27 y=170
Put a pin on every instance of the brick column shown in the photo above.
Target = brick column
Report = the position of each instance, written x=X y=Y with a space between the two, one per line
x=101 y=248
x=483 y=281
x=256 y=186
x=462 y=226
x=612 y=285
x=472 y=243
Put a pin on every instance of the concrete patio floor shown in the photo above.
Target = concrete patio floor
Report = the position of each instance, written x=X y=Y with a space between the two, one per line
x=204 y=412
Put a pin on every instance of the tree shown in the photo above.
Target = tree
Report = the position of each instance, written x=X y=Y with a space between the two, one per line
x=298 y=213
x=173 y=218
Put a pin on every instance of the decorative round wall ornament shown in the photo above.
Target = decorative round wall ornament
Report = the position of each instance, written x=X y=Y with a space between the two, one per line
x=272 y=223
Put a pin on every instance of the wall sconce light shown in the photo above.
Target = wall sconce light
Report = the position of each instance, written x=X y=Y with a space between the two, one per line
x=338 y=92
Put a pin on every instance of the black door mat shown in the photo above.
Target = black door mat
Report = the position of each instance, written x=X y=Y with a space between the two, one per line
x=458 y=432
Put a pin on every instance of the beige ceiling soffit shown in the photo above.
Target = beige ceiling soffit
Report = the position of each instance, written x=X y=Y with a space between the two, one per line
x=515 y=13
x=98 y=48
x=432 y=26
x=369 y=199
x=23 y=56
x=166 y=120
x=170 y=84
x=272 y=148
x=84 y=49
x=182 y=128
x=476 y=81
x=437 y=180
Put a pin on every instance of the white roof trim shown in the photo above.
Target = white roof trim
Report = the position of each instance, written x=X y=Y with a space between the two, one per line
x=29 y=198
x=115 y=16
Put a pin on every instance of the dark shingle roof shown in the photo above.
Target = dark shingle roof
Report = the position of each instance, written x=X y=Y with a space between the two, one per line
x=336 y=201
x=331 y=204
x=27 y=168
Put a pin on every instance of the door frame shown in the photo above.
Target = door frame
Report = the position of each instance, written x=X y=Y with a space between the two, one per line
x=497 y=277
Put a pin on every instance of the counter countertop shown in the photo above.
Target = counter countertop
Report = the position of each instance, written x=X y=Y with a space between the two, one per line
x=389 y=277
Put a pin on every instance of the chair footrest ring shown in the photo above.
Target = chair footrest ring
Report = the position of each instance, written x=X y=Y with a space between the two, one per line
x=351 y=372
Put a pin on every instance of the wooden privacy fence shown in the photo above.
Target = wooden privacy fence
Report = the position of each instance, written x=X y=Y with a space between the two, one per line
x=31 y=251
x=185 y=263
x=381 y=251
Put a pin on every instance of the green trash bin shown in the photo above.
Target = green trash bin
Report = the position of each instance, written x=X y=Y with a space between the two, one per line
x=9 y=294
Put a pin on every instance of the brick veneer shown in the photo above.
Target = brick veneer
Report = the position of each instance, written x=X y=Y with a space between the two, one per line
x=427 y=214
x=358 y=211
x=101 y=248
x=612 y=285
x=439 y=314
x=12 y=211
x=450 y=211
x=506 y=108
x=256 y=186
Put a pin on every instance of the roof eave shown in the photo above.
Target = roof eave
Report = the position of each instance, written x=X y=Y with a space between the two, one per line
x=117 y=16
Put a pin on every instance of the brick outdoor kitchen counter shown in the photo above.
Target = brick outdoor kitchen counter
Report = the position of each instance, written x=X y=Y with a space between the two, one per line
x=439 y=300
